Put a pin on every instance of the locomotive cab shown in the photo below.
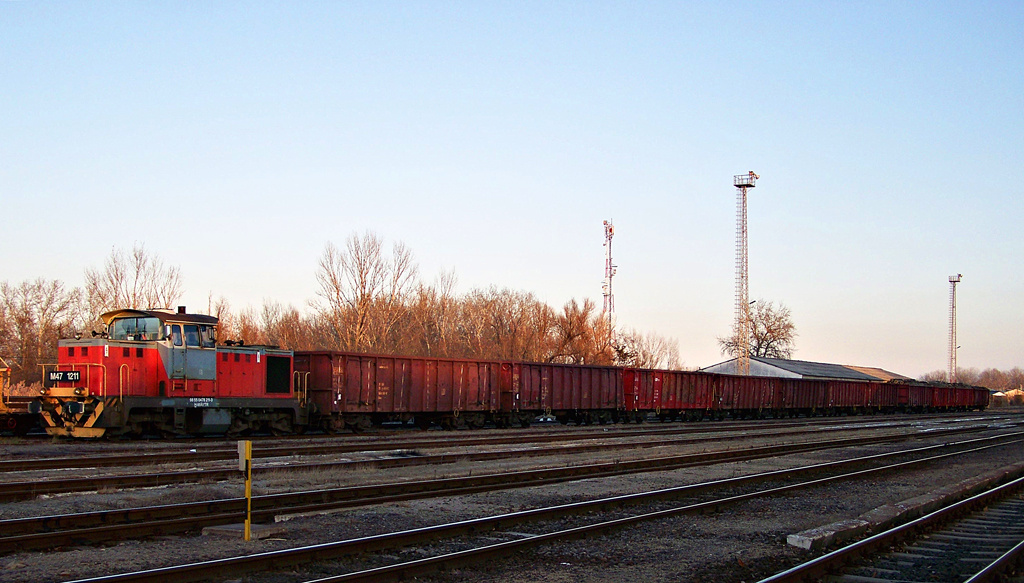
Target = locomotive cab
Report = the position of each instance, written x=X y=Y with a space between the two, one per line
x=157 y=371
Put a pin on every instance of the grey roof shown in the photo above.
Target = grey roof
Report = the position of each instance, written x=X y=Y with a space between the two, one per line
x=819 y=370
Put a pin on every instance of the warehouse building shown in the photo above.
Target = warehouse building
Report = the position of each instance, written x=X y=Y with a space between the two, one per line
x=802 y=369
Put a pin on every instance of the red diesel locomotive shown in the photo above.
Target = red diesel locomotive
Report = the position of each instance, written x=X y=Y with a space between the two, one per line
x=156 y=371
x=163 y=372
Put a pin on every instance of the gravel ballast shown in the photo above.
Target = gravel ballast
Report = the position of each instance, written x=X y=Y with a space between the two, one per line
x=744 y=542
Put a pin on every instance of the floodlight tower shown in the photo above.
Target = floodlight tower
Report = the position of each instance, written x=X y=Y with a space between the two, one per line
x=742 y=329
x=953 y=280
x=609 y=273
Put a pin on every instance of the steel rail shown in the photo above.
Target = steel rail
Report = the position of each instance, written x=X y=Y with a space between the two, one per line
x=235 y=566
x=815 y=569
x=20 y=490
x=44 y=532
x=218 y=453
x=1001 y=566
x=278 y=452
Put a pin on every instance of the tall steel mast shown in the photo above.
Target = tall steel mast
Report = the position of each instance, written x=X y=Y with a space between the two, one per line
x=742 y=328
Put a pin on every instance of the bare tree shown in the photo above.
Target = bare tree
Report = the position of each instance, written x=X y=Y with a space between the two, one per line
x=136 y=280
x=935 y=376
x=221 y=309
x=391 y=307
x=363 y=294
x=968 y=376
x=772 y=333
x=434 y=314
x=989 y=378
x=577 y=337
x=994 y=378
x=506 y=324
x=285 y=327
x=35 y=315
x=647 y=350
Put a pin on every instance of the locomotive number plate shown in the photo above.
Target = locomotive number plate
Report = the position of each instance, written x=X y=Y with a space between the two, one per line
x=65 y=376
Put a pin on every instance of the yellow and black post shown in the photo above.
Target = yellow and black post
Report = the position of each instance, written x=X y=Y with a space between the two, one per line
x=245 y=466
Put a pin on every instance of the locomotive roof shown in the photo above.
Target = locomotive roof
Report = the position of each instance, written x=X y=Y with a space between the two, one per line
x=160 y=315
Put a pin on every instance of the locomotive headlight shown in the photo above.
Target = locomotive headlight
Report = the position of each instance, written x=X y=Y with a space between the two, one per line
x=79 y=391
x=42 y=392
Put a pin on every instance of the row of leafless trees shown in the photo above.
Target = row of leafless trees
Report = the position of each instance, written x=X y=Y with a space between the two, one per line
x=368 y=299
x=372 y=299
x=990 y=378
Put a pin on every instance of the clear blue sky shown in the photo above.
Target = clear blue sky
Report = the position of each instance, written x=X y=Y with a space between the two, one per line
x=235 y=139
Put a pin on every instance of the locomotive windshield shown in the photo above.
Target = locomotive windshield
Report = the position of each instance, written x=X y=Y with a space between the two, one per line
x=194 y=335
x=134 y=329
x=197 y=335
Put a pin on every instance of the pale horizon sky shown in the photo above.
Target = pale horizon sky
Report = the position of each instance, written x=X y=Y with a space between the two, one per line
x=235 y=139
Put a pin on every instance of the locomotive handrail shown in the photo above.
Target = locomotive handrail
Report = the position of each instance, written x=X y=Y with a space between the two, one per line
x=301 y=380
x=121 y=383
x=74 y=366
x=103 y=370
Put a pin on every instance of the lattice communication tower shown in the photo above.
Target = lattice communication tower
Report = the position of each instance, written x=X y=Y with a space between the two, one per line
x=742 y=328
x=953 y=280
x=609 y=273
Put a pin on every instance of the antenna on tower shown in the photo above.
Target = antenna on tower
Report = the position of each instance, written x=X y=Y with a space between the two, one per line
x=953 y=280
x=609 y=272
x=742 y=327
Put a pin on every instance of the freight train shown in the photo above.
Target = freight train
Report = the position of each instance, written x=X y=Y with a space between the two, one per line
x=163 y=372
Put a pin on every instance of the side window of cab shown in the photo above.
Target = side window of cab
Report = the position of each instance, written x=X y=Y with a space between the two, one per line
x=176 y=335
x=191 y=335
x=209 y=336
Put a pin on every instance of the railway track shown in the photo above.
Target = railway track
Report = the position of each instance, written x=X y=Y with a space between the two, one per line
x=20 y=490
x=264 y=449
x=975 y=540
x=45 y=532
x=716 y=494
